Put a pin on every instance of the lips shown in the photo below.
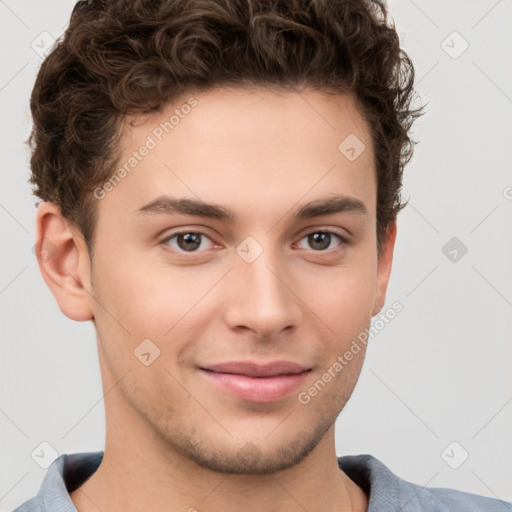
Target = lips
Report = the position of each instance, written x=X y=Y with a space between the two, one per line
x=257 y=382
x=251 y=369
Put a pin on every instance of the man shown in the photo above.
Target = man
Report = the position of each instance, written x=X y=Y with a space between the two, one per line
x=220 y=184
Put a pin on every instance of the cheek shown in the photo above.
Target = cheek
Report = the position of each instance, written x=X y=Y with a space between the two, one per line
x=151 y=298
x=343 y=297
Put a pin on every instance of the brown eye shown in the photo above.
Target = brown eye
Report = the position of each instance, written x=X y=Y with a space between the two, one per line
x=186 y=241
x=322 y=240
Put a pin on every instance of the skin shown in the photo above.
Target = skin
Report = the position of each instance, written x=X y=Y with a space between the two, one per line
x=173 y=439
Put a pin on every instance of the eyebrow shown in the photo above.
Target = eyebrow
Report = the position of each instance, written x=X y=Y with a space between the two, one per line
x=170 y=205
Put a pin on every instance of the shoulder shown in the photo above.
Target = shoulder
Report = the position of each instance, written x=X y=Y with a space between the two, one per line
x=65 y=473
x=32 y=505
x=388 y=491
x=419 y=498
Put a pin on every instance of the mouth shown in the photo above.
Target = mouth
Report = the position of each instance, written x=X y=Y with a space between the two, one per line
x=257 y=382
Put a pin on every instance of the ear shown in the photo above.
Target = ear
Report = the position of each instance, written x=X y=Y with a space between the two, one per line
x=64 y=262
x=384 y=267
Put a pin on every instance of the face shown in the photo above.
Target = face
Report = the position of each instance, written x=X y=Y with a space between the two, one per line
x=234 y=263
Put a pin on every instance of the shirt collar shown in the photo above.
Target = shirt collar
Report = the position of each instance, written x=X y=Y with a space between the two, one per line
x=69 y=471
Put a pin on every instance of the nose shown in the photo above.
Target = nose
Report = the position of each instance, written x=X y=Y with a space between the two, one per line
x=262 y=298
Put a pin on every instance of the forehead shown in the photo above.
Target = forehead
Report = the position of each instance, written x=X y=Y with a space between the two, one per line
x=249 y=148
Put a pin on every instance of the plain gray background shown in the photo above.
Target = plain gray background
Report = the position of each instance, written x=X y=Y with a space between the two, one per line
x=439 y=373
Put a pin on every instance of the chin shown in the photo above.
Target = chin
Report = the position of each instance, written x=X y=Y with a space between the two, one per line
x=251 y=457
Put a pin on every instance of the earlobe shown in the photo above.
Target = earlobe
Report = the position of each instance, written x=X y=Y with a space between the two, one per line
x=64 y=263
x=384 y=267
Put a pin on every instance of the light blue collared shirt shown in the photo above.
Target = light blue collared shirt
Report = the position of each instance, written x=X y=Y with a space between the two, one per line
x=387 y=492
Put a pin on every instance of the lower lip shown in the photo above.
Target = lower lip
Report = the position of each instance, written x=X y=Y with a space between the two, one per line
x=257 y=389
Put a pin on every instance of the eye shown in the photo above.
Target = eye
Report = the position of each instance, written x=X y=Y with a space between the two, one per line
x=322 y=240
x=188 y=241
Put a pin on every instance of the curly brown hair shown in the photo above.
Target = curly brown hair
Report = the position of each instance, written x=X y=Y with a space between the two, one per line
x=120 y=58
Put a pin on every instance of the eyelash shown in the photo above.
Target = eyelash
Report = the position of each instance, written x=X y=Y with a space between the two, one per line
x=342 y=239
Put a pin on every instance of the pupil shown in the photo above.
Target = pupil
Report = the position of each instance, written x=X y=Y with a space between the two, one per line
x=319 y=240
x=189 y=241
